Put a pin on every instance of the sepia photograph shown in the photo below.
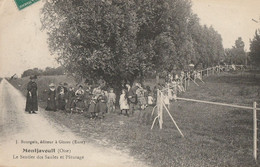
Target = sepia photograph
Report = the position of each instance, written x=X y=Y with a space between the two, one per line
x=129 y=83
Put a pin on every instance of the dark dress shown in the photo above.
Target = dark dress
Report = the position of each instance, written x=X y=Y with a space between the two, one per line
x=131 y=94
x=79 y=101
x=61 y=98
x=31 y=101
x=101 y=106
x=51 y=101
x=70 y=96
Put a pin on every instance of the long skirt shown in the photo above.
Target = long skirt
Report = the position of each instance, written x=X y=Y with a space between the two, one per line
x=101 y=107
x=61 y=102
x=31 y=103
x=51 y=105
x=79 y=104
x=70 y=104
x=92 y=107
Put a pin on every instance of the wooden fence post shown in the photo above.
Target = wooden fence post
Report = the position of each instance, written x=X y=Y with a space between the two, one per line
x=255 y=131
x=189 y=79
x=207 y=71
x=160 y=111
x=185 y=84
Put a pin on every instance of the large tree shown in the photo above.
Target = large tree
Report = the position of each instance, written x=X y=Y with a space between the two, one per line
x=123 y=39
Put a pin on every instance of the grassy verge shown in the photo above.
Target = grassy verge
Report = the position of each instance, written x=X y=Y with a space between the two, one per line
x=214 y=135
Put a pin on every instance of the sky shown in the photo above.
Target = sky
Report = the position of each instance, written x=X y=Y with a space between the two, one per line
x=23 y=45
x=231 y=18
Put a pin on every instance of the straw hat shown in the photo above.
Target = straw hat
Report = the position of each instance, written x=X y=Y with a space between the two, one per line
x=52 y=85
x=80 y=86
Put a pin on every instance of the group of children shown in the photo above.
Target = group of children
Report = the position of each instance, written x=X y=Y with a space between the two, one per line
x=99 y=100
x=136 y=97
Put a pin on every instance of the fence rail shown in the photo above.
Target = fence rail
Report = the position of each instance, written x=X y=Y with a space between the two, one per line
x=217 y=103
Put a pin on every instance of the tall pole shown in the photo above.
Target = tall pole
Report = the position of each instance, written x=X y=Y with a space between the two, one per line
x=255 y=131
x=160 y=108
x=185 y=84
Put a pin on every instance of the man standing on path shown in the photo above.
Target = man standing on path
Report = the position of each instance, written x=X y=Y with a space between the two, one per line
x=31 y=98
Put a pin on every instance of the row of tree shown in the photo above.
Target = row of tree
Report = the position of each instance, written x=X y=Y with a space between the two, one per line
x=46 y=72
x=125 y=39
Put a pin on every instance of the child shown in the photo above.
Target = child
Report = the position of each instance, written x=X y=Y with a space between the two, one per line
x=124 y=106
x=79 y=102
x=101 y=106
x=111 y=101
x=150 y=99
x=92 y=107
x=70 y=98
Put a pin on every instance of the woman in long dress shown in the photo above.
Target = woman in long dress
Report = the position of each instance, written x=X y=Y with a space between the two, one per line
x=31 y=98
x=51 y=101
x=61 y=98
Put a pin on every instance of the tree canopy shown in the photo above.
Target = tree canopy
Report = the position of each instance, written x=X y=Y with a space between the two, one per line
x=124 y=39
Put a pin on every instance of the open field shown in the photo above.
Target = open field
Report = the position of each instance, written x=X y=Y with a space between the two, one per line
x=214 y=135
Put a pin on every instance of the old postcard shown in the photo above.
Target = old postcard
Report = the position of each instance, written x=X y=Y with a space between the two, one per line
x=125 y=83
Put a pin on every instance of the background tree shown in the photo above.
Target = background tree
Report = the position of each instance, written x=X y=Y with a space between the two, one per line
x=254 y=53
x=237 y=54
x=48 y=71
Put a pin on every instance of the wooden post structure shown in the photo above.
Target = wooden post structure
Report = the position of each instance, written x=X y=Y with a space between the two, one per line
x=188 y=80
x=160 y=113
x=169 y=94
x=172 y=118
x=207 y=71
x=175 y=90
x=201 y=74
x=255 y=131
x=159 y=108
x=185 y=84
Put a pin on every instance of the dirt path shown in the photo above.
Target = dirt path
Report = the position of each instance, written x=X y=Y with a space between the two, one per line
x=28 y=130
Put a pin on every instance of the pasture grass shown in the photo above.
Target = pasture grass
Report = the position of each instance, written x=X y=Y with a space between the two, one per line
x=214 y=135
